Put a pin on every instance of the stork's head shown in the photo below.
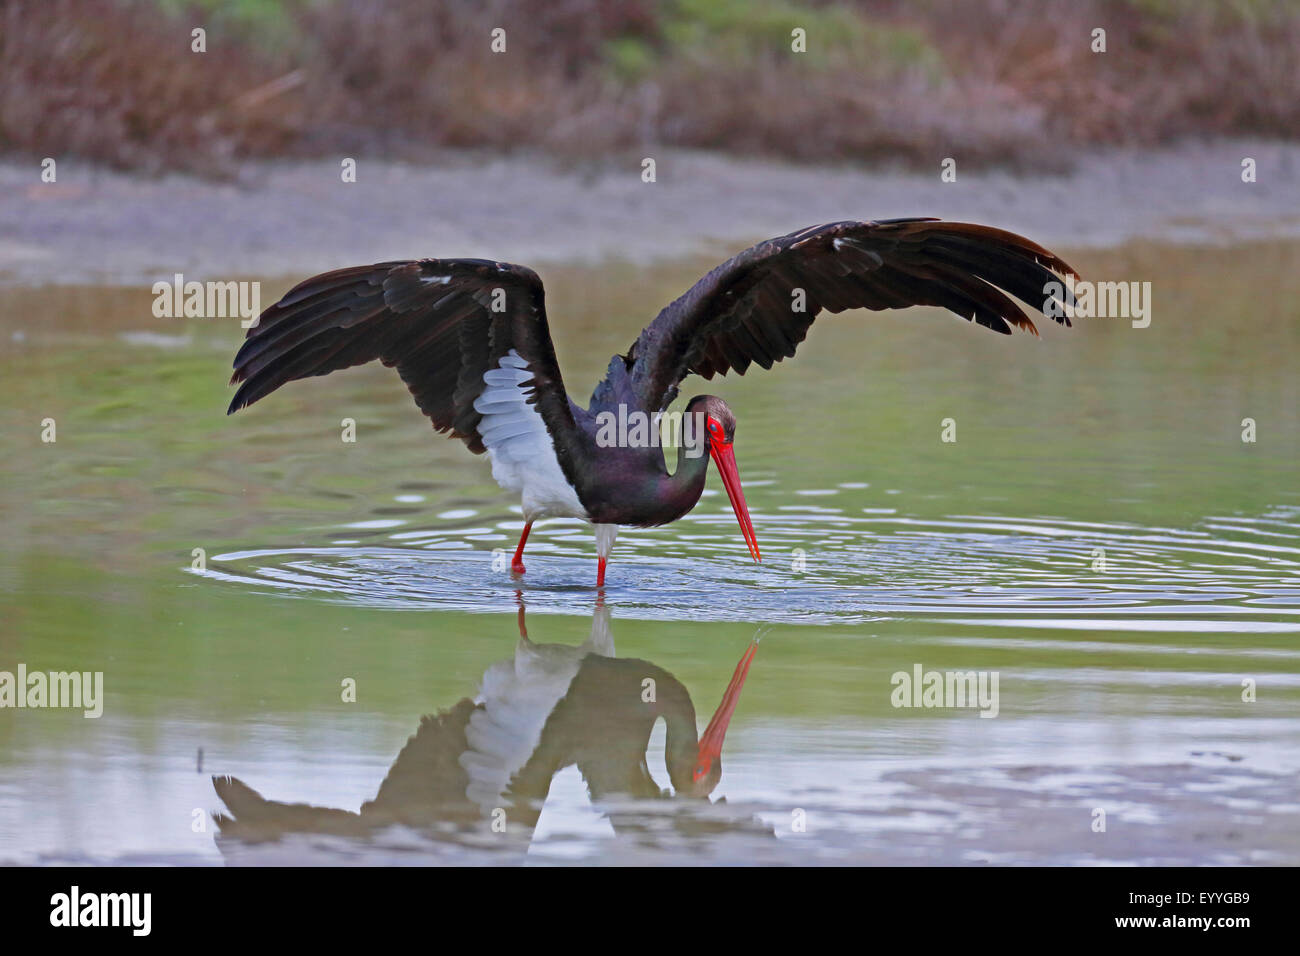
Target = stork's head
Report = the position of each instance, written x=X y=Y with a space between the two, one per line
x=719 y=427
x=706 y=769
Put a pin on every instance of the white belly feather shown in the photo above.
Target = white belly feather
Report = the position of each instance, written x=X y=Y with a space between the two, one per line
x=518 y=696
x=521 y=450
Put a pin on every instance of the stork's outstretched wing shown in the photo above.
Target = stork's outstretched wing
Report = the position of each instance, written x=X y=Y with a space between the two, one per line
x=758 y=306
x=424 y=787
x=442 y=323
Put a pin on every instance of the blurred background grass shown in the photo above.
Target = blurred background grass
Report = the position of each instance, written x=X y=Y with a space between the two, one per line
x=994 y=81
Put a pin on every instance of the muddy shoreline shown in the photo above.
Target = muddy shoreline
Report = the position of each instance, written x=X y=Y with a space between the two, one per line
x=95 y=226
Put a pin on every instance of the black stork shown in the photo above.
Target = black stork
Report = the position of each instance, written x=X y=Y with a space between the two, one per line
x=469 y=338
x=548 y=707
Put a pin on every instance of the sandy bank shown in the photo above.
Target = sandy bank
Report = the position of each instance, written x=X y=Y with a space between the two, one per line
x=284 y=219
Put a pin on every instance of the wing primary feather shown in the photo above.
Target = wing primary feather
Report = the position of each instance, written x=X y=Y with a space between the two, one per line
x=434 y=320
x=740 y=313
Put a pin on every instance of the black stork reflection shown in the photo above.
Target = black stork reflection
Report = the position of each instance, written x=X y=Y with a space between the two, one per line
x=491 y=759
x=469 y=337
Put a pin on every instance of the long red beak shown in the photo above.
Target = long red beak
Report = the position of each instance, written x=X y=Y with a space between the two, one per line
x=725 y=459
x=711 y=741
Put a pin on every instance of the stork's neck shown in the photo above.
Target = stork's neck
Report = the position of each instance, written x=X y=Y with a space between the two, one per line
x=681 y=743
x=681 y=490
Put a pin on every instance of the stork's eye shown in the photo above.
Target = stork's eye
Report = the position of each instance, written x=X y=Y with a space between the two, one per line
x=702 y=768
x=714 y=428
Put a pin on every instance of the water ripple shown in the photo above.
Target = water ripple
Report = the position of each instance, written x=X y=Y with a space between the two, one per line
x=1225 y=574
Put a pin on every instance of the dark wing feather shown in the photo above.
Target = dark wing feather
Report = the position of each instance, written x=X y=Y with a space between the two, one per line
x=743 y=311
x=252 y=818
x=427 y=783
x=433 y=320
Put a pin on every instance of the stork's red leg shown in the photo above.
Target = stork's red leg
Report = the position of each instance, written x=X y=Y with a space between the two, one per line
x=523 y=624
x=605 y=535
x=517 y=565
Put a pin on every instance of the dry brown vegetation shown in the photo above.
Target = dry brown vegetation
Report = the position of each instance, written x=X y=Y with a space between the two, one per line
x=990 y=81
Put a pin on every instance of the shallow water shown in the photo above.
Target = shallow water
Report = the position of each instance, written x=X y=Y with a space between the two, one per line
x=1099 y=536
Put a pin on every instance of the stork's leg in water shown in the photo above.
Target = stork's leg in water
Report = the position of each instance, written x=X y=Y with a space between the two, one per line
x=523 y=622
x=605 y=535
x=517 y=565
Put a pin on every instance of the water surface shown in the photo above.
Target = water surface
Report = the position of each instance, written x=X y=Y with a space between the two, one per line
x=1099 y=536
